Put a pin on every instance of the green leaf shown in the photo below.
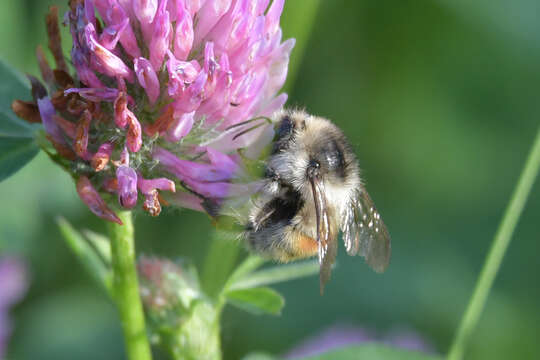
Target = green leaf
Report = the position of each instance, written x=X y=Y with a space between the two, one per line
x=276 y=274
x=250 y=264
x=13 y=86
x=101 y=243
x=86 y=254
x=371 y=352
x=15 y=153
x=17 y=146
x=257 y=300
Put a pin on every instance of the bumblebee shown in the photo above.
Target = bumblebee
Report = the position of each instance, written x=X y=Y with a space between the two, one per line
x=312 y=191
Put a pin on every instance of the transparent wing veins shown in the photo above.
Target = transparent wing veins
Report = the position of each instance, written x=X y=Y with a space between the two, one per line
x=364 y=232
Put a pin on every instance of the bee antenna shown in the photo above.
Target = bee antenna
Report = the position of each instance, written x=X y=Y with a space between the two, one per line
x=248 y=121
x=246 y=131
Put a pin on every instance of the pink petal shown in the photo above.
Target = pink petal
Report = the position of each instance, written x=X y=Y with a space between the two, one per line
x=145 y=10
x=183 y=37
x=95 y=94
x=115 y=13
x=181 y=74
x=111 y=34
x=147 y=78
x=86 y=75
x=110 y=64
x=273 y=15
x=89 y=11
x=208 y=16
x=194 y=94
x=127 y=186
x=219 y=159
x=186 y=200
x=161 y=36
x=47 y=111
x=180 y=127
x=185 y=169
x=148 y=185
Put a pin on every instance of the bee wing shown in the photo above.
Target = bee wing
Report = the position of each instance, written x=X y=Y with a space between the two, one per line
x=364 y=232
x=325 y=238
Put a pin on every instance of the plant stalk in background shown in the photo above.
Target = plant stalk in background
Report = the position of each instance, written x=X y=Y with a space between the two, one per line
x=496 y=253
x=126 y=288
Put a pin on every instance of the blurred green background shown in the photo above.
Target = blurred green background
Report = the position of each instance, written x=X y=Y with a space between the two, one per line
x=440 y=101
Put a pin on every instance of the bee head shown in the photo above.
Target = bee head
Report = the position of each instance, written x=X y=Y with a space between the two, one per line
x=326 y=158
x=310 y=148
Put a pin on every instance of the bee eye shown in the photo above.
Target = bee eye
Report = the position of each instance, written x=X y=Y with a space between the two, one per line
x=284 y=134
x=314 y=164
x=285 y=127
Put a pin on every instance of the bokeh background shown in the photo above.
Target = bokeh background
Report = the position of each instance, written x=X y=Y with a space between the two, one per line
x=440 y=101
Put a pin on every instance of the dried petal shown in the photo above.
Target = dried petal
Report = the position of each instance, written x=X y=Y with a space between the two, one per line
x=162 y=123
x=69 y=128
x=38 y=90
x=55 y=43
x=80 y=143
x=110 y=185
x=134 y=134
x=121 y=112
x=26 y=110
x=102 y=156
x=93 y=200
x=62 y=149
x=151 y=203
x=44 y=67
x=62 y=78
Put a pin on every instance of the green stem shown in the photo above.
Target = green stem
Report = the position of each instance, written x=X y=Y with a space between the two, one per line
x=496 y=253
x=126 y=288
x=219 y=262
